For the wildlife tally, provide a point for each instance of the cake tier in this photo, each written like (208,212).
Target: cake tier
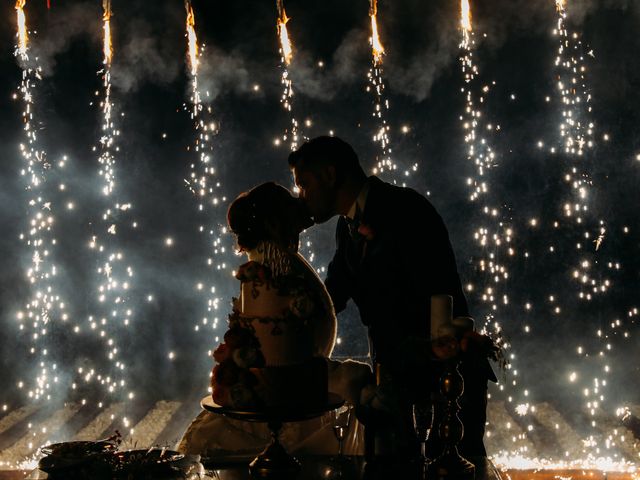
(302,385)
(261,299)
(283,341)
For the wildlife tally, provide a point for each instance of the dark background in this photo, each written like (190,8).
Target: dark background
(151,88)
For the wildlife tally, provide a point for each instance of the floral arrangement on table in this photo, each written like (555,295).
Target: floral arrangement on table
(470,344)
(417,354)
(471,349)
(102,460)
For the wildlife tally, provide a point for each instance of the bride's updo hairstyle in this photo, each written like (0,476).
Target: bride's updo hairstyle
(267,212)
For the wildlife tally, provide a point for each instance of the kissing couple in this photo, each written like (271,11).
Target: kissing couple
(392,253)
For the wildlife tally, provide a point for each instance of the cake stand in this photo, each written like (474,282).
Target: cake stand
(274,461)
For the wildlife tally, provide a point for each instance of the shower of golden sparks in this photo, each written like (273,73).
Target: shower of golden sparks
(192,38)
(107,47)
(588,271)
(285,43)
(465,20)
(22,28)
(376,46)
(494,234)
(193,61)
(202,181)
(384,162)
(44,308)
(113,312)
(287,94)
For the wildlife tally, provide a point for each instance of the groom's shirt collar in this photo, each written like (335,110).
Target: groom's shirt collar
(360,201)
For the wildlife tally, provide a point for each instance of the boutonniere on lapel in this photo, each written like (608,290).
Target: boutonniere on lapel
(366,231)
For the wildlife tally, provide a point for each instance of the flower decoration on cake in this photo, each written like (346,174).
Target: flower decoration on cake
(302,306)
(268,357)
(234,382)
(253,272)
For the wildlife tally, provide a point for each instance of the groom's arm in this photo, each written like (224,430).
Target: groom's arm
(442,262)
(338,278)
(435,267)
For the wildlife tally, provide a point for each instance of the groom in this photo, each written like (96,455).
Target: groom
(393,253)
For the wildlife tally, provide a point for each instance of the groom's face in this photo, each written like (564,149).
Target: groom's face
(317,191)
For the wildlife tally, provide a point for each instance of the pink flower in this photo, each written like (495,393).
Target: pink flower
(221,353)
(225,373)
(366,231)
(245,357)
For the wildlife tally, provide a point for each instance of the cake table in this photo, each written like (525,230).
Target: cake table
(274,461)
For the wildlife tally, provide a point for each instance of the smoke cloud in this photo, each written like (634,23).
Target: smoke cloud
(222,73)
(346,67)
(77,20)
(146,57)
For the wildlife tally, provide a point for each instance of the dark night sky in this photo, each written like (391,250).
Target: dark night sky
(151,85)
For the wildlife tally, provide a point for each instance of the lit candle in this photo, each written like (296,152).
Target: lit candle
(441,308)
(463,325)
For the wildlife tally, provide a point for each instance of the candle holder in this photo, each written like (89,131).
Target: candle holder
(450,464)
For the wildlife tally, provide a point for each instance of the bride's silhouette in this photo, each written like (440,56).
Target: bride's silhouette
(267,222)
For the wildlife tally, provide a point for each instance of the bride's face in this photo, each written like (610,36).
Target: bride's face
(297,216)
(285,224)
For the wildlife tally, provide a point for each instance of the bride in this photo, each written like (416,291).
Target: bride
(267,222)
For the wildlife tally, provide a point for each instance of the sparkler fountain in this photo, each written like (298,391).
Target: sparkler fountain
(500,238)
(384,166)
(576,239)
(292,134)
(44,314)
(202,180)
(45,309)
(114,311)
(494,237)
(590,271)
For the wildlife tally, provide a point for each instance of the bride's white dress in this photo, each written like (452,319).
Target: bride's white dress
(215,436)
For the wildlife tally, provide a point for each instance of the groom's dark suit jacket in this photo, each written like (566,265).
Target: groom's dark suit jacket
(391,278)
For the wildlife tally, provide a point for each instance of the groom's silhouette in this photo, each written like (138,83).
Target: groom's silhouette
(393,253)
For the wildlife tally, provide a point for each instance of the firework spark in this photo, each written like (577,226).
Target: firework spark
(107,47)
(192,45)
(465,21)
(286,53)
(45,308)
(384,166)
(586,233)
(202,178)
(113,311)
(376,45)
(494,233)
(283,34)
(23,37)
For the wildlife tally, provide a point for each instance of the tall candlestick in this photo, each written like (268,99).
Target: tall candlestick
(441,308)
